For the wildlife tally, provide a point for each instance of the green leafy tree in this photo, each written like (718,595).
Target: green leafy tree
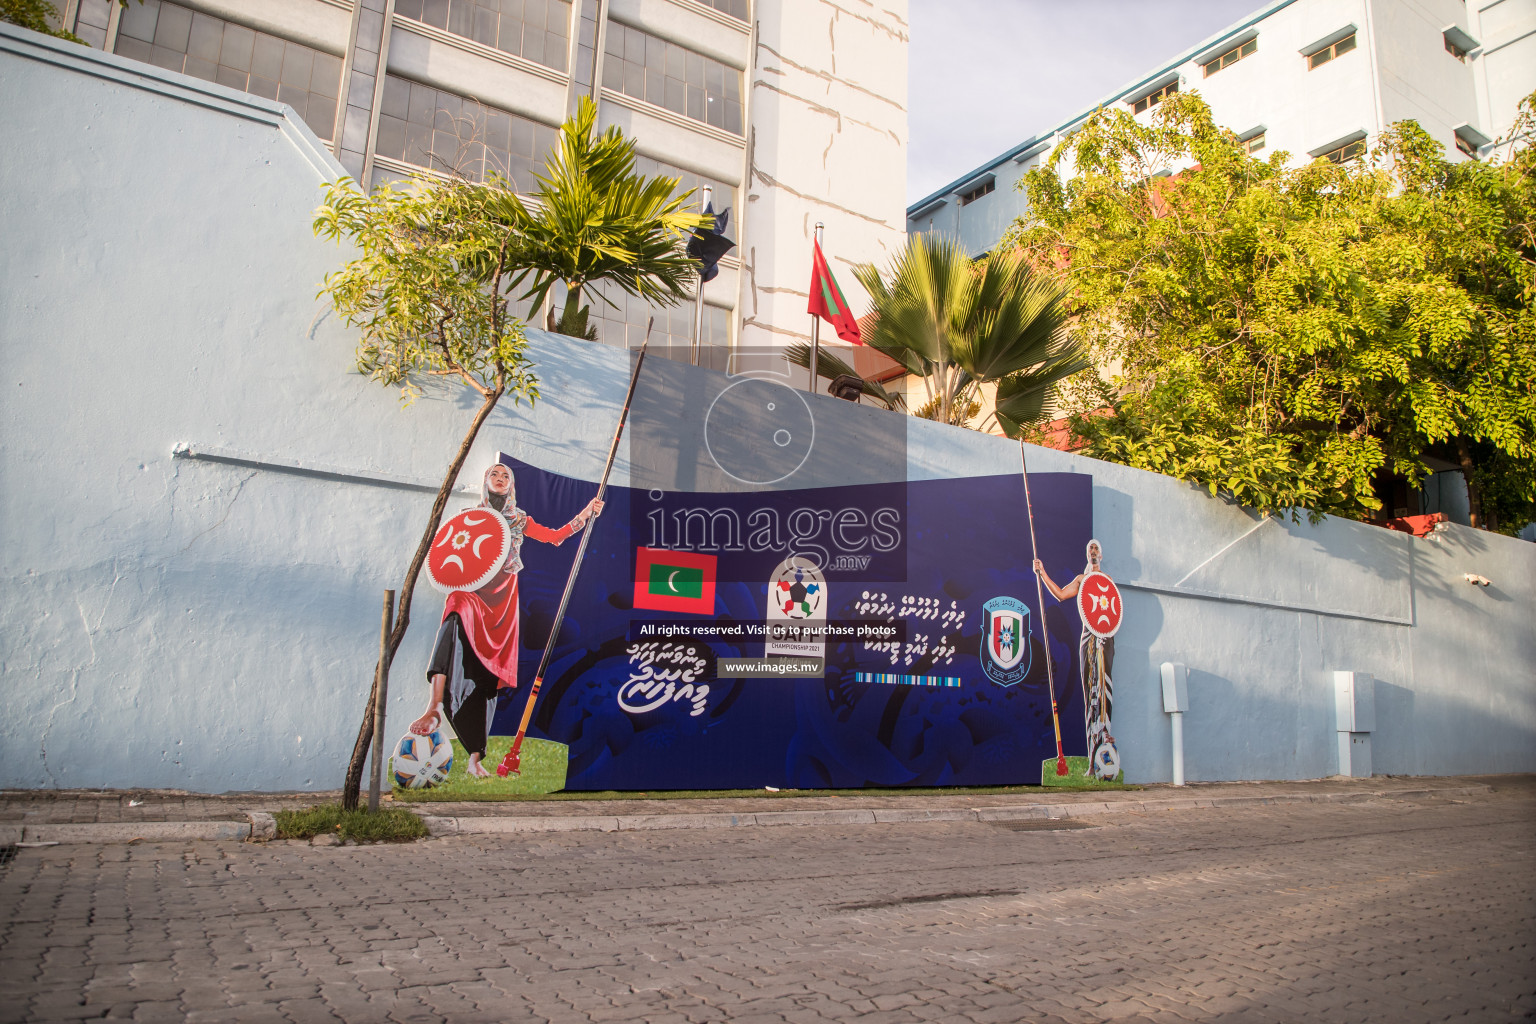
(1287,336)
(37,15)
(958,323)
(427,294)
(594,220)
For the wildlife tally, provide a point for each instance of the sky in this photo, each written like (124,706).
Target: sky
(984,75)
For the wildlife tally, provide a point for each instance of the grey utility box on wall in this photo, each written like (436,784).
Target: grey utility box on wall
(1355,710)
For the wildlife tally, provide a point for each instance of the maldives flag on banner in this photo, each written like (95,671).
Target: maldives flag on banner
(675,581)
(827,299)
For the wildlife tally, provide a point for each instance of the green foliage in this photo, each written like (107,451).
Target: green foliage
(427,290)
(1284,336)
(391,825)
(37,15)
(574,323)
(959,323)
(592,219)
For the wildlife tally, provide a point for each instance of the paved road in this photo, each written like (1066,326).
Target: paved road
(1396,910)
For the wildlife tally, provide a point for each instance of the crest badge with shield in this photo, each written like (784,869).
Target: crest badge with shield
(1005,655)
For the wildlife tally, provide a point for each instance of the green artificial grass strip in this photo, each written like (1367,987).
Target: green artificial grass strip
(543,772)
(391,825)
(1077,776)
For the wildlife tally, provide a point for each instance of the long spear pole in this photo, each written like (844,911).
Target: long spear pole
(1050,671)
(510,765)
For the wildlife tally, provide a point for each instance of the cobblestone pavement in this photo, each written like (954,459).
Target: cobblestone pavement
(1399,910)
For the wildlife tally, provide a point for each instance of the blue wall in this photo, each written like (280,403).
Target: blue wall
(209,622)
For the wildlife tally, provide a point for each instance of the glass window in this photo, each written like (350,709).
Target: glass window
(735,8)
(1154,98)
(966,199)
(1231,57)
(443,131)
(621,320)
(1348,151)
(1327,53)
(724,197)
(91,20)
(215,50)
(537,30)
(649,68)
(1253,143)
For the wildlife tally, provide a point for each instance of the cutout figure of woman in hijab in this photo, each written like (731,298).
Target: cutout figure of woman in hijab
(476,650)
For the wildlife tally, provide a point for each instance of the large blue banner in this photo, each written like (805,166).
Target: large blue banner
(867,635)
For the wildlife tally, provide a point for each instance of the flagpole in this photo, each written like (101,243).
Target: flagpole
(698,300)
(1050,672)
(815,327)
(511,764)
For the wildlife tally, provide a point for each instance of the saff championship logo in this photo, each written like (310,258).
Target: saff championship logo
(1005,656)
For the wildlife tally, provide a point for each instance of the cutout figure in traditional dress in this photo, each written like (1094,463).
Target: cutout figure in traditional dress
(476,650)
(1096,659)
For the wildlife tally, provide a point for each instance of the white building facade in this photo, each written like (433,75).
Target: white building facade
(792,111)
(1315,78)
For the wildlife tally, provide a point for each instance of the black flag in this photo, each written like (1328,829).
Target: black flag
(709,244)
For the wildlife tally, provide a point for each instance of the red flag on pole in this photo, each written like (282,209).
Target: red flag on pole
(827,299)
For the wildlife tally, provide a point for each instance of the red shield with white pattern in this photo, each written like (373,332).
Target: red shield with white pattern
(468,550)
(1098,602)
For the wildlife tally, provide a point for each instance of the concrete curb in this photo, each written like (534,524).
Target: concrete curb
(443,826)
(127,832)
(262,826)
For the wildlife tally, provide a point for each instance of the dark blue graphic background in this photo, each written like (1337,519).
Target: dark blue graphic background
(966,540)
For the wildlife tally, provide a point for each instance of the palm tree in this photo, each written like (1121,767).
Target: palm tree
(594,220)
(959,323)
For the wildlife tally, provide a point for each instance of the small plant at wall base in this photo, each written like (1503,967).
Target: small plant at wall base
(1286,337)
(593,220)
(391,825)
(428,295)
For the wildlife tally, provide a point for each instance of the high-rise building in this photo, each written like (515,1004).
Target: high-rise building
(1316,78)
(793,112)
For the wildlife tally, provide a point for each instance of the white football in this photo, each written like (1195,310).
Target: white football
(421,762)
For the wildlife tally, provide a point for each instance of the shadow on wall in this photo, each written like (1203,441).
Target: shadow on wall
(1383,553)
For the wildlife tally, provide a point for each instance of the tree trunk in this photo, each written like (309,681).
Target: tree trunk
(353,787)
(1474,498)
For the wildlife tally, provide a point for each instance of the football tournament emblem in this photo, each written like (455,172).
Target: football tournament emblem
(798,590)
(797,607)
(1005,656)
